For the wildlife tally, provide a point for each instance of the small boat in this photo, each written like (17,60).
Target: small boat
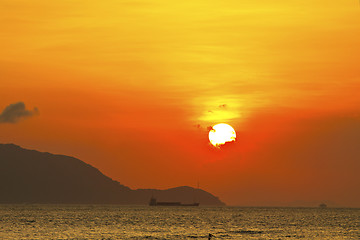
(323,205)
(154,202)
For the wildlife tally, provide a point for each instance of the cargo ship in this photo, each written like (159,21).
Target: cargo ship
(154,202)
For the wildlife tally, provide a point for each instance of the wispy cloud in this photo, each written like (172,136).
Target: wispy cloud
(15,112)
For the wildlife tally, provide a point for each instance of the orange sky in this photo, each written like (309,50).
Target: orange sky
(130,87)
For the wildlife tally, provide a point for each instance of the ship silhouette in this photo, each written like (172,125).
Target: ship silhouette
(154,202)
(322,205)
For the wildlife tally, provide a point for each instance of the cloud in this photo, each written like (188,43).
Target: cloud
(15,112)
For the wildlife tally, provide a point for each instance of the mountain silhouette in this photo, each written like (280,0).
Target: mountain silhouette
(29,176)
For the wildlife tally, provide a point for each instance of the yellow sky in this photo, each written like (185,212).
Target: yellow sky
(245,53)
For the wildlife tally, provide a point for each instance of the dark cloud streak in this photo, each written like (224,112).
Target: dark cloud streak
(15,112)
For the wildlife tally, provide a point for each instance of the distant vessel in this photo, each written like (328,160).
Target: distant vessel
(153,202)
(323,205)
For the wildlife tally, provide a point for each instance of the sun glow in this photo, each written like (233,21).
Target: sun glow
(221,133)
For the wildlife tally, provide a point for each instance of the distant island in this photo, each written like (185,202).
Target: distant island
(29,176)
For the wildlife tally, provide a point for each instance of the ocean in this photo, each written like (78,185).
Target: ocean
(145,222)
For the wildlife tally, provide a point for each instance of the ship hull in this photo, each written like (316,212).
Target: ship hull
(170,204)
(153,202)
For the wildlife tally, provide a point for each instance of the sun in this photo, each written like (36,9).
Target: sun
(221,133)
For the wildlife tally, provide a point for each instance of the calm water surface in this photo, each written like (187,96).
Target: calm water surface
(120,222)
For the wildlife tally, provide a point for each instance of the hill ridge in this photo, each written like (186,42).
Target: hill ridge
(31,176)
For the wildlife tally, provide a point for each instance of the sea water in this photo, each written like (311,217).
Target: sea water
(145,222)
